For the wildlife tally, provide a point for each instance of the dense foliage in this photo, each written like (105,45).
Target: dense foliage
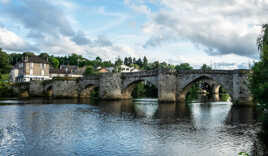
(259,78)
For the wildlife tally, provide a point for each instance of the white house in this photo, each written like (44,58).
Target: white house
(14,73)
(125,69)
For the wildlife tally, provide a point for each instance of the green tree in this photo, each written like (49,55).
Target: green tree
(44,55)
(145,62)
(118,62)
(183,66)
(89,70)
(28,54)
(4,62)
(259,76)
(205,67)
(259,79)
(98,61)
(54,62)
(15,58)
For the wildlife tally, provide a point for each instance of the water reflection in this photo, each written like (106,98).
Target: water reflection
(142,127)
(238,115)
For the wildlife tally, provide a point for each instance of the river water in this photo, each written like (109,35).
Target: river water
(119,128)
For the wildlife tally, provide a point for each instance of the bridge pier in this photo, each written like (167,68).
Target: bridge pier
(241,93)
(110,86)
(166,87)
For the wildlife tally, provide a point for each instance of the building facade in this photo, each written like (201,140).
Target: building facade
(67,71)
(32,68)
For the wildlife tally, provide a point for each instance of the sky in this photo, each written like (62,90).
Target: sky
(220,33)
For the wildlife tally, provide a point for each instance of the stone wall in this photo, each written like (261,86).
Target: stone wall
(68,88)
(36,89)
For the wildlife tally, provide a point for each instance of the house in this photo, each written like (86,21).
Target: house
(67,71)
(125,69)
(103,70)
(69,68)
(32,68)
(14,73)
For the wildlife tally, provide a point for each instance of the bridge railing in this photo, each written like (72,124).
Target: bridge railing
(141,73)
(199,71)
(91,77)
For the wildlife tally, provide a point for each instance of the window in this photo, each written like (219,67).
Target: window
(42,72)
(31,65)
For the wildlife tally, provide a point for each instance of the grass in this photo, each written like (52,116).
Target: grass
(4,77)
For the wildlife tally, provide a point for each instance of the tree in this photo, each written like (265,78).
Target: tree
(183,66)
(44,55)
(206,67)
(259,79)
(259,76)
(28,54)
(98,59)
(89,70)
(54,62)
(145,62)
(15,58)
(4,62)
(118,62)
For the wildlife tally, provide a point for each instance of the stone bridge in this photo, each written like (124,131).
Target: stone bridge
(172,85)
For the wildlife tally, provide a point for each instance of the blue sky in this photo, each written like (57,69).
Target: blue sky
(219,33)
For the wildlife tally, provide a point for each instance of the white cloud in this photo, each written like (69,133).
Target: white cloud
(221,27)
(10,41)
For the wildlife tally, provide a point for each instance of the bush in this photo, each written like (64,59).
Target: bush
(6,90)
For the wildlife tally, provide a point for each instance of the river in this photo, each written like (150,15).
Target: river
(64,127)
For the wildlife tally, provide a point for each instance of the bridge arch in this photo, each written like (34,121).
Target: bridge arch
(130,85)
(48,89)
(219,81)
(86,90)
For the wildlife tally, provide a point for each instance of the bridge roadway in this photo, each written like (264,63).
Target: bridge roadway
(172,85)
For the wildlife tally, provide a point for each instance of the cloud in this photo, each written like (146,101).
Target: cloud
(10,41)
(40,17)
(81,39)
(102,41)
(219,27)
(138,7)
(51,29)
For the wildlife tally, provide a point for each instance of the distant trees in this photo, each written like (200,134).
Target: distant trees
(183,66)
(206,67)
(9,60)
(4,62)
(89,70)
